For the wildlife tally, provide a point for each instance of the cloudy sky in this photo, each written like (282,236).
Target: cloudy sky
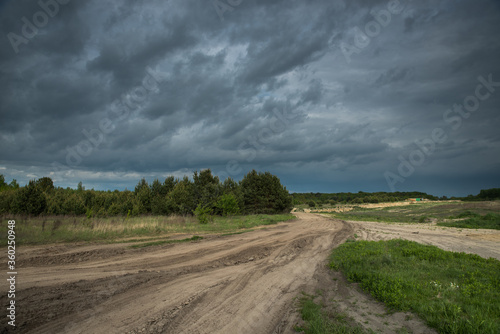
(328,95)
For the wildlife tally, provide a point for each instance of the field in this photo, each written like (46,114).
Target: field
(451,214)
(57,229)
(227,276)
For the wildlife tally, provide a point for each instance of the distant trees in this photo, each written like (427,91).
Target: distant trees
(485,195)
(489,194)
(318,199)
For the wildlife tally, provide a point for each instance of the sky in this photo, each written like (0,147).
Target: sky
(330,96)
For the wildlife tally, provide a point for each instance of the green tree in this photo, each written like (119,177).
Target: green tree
(264,193)
(30,200)
(143,193)
(206,188)
(169,184)
(14,184)
(181,199)
(3,185)
(45,184)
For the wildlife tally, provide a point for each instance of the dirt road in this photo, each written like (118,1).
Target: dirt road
(243,283)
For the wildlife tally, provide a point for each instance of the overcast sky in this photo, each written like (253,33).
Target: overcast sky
(328,95)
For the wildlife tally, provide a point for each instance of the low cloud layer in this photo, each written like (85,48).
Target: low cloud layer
(328,95)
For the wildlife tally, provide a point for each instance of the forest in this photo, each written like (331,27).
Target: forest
(204,194)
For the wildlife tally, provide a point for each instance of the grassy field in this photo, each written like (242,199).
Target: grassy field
(458,214)
(44,230)
(452,292)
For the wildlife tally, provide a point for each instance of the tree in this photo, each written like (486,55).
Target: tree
(14,184)
(30,199)
(169,184)
(143,193)
(263,193)
(206,188)
(45,184)
(181,199)
(3,185)
(80,188)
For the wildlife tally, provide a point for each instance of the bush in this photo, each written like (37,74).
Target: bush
(203,214)
(228,205)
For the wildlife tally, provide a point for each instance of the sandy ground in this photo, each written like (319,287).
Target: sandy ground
(244,283)
(483,242)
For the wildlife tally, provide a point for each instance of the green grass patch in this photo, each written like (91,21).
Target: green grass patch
(452,292)
(474,220)
(60,229)
(319,321)
(164,242)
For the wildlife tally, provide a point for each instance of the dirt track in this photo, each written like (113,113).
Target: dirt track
(244,283)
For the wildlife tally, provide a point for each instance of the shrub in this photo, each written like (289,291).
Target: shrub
(228,205)
(203,214)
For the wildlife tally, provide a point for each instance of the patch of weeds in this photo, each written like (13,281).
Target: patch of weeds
(318,321)
(423,219)
(475,221)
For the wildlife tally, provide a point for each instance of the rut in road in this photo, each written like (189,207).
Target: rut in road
(242,283)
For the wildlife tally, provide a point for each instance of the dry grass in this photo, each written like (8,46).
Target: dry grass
(52,229)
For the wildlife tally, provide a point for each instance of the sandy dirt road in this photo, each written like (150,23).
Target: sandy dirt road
(243,283)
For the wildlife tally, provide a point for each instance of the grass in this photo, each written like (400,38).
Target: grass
(458,214)
(318,321)
(474,220)
(452,292)
(57,229)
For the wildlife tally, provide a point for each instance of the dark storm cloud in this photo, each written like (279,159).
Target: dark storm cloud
(264,85)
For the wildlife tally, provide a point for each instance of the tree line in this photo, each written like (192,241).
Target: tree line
(202,195)
(319,199)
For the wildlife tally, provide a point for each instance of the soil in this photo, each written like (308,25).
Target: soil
(242,283)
